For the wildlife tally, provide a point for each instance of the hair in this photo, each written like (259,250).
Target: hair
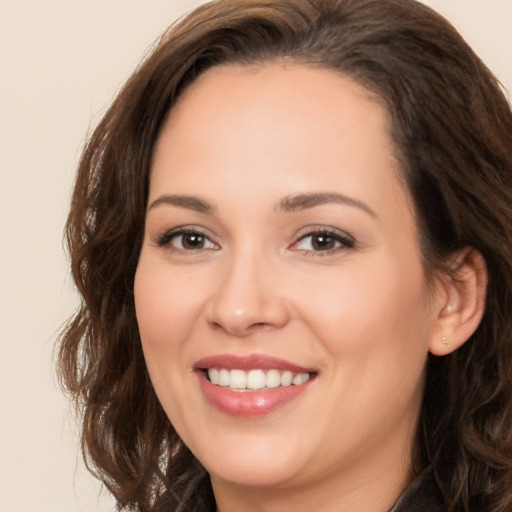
(451,126)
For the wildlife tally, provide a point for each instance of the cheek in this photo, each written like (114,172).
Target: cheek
(166,305)
(374,330)
(164,316)
(379,318)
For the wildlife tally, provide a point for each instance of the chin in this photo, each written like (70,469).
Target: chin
(252,474)
(256,464)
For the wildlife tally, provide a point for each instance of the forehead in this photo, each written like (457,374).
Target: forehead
(286,89)
(300,127)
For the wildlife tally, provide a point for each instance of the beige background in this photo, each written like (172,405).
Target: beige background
(61,61)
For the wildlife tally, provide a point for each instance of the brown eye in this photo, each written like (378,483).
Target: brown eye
(192,241)
(323,241)
(186,241)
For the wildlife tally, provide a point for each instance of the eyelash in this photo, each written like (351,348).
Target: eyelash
(341,241)
(166,238)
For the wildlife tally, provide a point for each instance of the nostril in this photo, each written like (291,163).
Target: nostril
(239,330)
(257,325)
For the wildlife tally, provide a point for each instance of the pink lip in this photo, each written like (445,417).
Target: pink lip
(248,404)
(250,362)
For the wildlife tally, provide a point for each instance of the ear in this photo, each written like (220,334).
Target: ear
(460,301)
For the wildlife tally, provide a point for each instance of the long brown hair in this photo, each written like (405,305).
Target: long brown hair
(452,128)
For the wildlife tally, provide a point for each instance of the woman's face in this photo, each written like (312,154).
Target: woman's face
(280,245)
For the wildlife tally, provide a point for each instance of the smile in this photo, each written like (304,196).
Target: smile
(253,380)
(250,386)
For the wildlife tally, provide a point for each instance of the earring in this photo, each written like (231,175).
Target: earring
(445,341)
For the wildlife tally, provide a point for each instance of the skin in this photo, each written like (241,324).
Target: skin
(362,315)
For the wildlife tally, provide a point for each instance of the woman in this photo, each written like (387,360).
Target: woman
(292,235)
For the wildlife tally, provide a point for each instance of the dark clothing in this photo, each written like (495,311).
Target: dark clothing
(423,495)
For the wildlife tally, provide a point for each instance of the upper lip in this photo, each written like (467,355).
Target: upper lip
(249,362)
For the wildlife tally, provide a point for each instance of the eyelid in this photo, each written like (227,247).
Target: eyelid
(344,239)
(163,240)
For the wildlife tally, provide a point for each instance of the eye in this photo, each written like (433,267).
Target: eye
(186,240)
(325,241)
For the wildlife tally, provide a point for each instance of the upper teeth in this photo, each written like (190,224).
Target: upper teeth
(255,379)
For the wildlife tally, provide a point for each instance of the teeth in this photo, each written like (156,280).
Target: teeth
(273,379)
(286,379)
(213,374)
(256,379)
(224,377)
(239,380)
(297,379)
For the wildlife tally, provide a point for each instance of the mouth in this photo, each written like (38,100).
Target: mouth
(239,380)
(252,385)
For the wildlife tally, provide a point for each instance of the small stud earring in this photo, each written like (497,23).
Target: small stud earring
(445,341)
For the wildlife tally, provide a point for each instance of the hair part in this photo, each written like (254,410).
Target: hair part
(452,129)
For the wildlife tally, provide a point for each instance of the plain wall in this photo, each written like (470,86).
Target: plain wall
(61,62)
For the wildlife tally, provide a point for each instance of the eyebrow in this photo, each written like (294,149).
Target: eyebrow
(287,204)
(305,201)
(188,202)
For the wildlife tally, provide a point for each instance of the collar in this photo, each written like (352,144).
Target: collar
(423,495)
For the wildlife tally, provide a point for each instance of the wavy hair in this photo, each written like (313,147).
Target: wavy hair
(452,129)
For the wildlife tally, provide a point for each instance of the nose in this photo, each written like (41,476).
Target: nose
(247,298)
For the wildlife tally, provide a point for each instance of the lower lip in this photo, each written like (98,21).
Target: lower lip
(249,404)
